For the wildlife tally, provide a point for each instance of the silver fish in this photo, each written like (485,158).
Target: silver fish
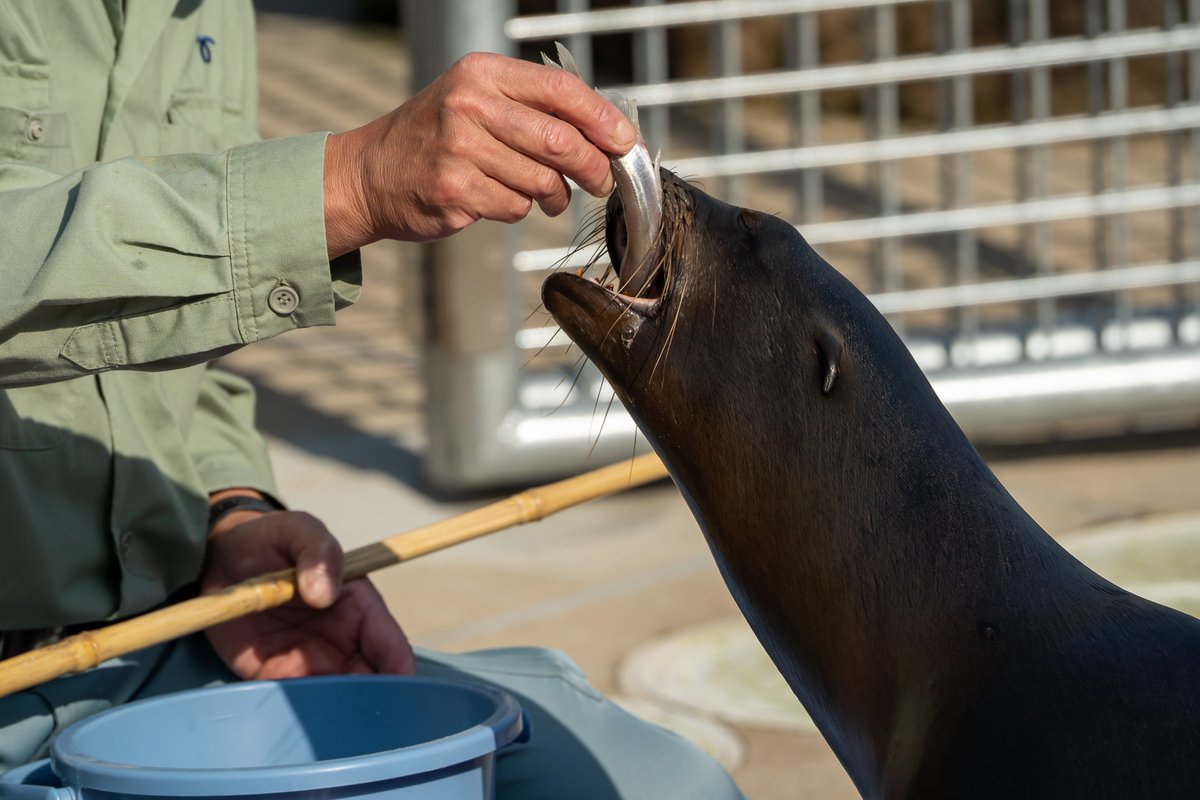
(638,187)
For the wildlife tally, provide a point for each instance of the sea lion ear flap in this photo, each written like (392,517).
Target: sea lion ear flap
(829,348)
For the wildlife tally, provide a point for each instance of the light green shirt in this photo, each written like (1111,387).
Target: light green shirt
(123,271)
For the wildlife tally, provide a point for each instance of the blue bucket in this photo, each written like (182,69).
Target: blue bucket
(375,736)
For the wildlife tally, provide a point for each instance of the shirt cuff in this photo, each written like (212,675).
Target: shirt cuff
(281,271)
(218,474)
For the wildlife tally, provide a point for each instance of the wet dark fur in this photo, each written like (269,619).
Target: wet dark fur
(944,644)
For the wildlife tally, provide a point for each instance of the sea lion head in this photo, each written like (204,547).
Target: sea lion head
(747,344)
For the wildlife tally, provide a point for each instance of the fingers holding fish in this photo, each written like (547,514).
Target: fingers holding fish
(557,92)
(552,143)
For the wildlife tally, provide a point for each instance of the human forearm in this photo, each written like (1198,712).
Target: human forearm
(161,262)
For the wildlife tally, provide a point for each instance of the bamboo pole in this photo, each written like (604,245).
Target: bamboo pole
(88,649)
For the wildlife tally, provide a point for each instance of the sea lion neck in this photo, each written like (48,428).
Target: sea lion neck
(856,585)
(859,531)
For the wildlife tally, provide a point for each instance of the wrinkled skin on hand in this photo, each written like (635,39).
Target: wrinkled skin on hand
(486,140)
(328,629)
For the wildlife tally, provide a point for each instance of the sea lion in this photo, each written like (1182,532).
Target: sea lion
(944,644)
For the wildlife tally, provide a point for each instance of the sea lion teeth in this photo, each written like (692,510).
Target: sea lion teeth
(942,642)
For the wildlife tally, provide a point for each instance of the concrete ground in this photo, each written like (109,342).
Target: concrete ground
(616,583)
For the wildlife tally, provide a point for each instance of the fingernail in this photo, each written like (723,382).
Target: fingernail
(607,187)
(624,136)
(317,589)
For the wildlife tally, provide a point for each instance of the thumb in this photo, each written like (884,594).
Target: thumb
(318,559)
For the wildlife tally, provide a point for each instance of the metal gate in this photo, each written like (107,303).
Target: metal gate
(1013,183)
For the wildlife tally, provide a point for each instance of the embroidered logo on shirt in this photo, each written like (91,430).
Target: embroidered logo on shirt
(206,43)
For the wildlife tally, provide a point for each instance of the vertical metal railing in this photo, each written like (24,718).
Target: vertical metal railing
(1039,308)
(881,118)
(802,50)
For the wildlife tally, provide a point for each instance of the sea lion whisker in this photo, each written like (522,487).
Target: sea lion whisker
(662,354)
(580,364)
(603,420)
(633,453)
(585,238)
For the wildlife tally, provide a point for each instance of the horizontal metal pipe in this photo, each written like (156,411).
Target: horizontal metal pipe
(1073,284)
(1046,209)
(1000,214)
(976,139)
(991,403)
(978,61)
(613,20)
(1022,289)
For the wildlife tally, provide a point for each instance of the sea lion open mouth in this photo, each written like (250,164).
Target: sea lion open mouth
(599,317)
(636,282)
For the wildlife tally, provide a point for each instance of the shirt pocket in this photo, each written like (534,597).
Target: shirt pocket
(38,417)
(199,122)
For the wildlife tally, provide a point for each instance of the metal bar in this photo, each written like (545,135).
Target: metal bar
(979,61)
(1118,100)
(650,64)
(729,133)
(988,137)
(1046,209)
(1193,58)
(470,368)
(581,47)
(1020,110)
(1002,214)
(1144,276)
(881,113)
(961,97)
(989,403)
(1175,140)
(1039,31)
(1075,284)
(616,20)
(802,51)
(1093,24)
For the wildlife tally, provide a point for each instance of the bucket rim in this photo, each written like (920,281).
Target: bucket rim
(501,727)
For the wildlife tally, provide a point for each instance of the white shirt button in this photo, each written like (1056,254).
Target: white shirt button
(35,130)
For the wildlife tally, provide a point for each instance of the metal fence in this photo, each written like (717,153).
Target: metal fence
(1013,183)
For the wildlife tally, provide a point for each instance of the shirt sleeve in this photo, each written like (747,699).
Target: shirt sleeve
(163,262)
(226,449)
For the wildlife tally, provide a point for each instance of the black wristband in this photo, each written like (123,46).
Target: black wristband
(239,502)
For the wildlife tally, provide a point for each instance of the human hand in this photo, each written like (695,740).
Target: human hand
(484,141)
(329,629)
